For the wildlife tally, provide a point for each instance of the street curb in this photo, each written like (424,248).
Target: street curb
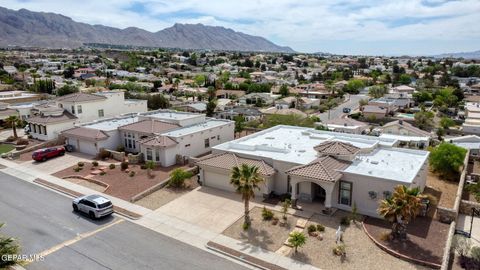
(242,257)
(118,210)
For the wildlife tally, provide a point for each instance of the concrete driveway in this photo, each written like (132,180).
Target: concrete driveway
(209,208)
(57,164)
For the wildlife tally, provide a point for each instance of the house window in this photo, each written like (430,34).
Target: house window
(149,154)
(207,143)
(187,145)
(34,128)
(100,113)
(126,143)
(73,109)
(345,193)
(218,137)
(45,130)
(134,146)
(79,108)
(157,155)
(129,143)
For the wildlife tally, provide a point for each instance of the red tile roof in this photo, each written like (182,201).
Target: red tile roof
(86,133)
(336,148)
(324,169)
(149,126)
(230,160)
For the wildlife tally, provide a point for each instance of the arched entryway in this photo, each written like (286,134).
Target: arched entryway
(312,195)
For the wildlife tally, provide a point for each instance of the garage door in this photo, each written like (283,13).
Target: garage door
(87,147)
(217,180)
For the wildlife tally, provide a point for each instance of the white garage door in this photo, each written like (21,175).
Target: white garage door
(220,181)
(86,147)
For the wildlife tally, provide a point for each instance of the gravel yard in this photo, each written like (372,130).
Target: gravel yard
(362,253)
(262,233)
(444,190)
(166,195)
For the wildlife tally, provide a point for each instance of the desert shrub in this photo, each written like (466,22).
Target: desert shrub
(112,166)
(245,226)
(120,148)
(103,154)
(143,166)
(131,174)
(95,163)
(102,173)
(267,214)
(80,164)
(178,177)
(10,139)
(124,165)
(30,136)
(339,250)
(475,253)
(320,228)
(385,236)
(275,220)
(77,169)
(22,141)
(345,221)
(312,228)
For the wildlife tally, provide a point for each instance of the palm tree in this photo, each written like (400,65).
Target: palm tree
(8,246)
(400,208)
(13,121)
(246,179)
(297,239)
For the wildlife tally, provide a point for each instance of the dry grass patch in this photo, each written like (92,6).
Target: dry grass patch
(262,233)
(444,190)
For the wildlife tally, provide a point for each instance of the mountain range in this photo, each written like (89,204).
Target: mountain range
(465,55)
(49,30)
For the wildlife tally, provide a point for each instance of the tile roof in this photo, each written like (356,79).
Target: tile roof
(49,119)
(162,141)
(87,133)
(149,126)
(323,169)
(336,148)
(407,126)
(230,160)
(80,97)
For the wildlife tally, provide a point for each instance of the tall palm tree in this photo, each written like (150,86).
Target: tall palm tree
(400,208)
(246,179)
(13,121)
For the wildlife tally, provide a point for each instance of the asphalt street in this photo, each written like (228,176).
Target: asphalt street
(337,112)
(43,222)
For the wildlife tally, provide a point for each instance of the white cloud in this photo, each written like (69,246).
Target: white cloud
(305,25)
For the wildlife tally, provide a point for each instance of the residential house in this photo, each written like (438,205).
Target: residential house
(49,122)
(293,102)
(472,118)
(374,111)
(346,125)
(406,133)
(248,113)
(287,111)
(255,98)
(336,170)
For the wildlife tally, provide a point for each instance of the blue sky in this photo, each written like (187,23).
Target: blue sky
(375,27)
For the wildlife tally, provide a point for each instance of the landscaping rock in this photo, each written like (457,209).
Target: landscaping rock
(301,223)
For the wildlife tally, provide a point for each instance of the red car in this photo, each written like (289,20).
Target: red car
(46,153)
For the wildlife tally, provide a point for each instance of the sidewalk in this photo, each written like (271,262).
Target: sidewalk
(162,223)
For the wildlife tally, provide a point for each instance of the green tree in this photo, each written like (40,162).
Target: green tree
(66,89)
(13,121)
(8,246)
(284,90)
(447,159)
(246,179)
(401,208)
(377,91)
(178,177)
(353,86)
(446,122)
(424,119)
(445,98)
(239,123)
(211,105)
(422,96)
(404,79)
(297,239)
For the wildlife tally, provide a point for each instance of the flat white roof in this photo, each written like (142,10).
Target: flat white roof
(171,115)
(112,123)
(405,137)
(210,123)
(295,144)
(389,163)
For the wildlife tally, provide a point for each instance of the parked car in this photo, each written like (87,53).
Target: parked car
(47,153)
(95,206)
(347,110)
